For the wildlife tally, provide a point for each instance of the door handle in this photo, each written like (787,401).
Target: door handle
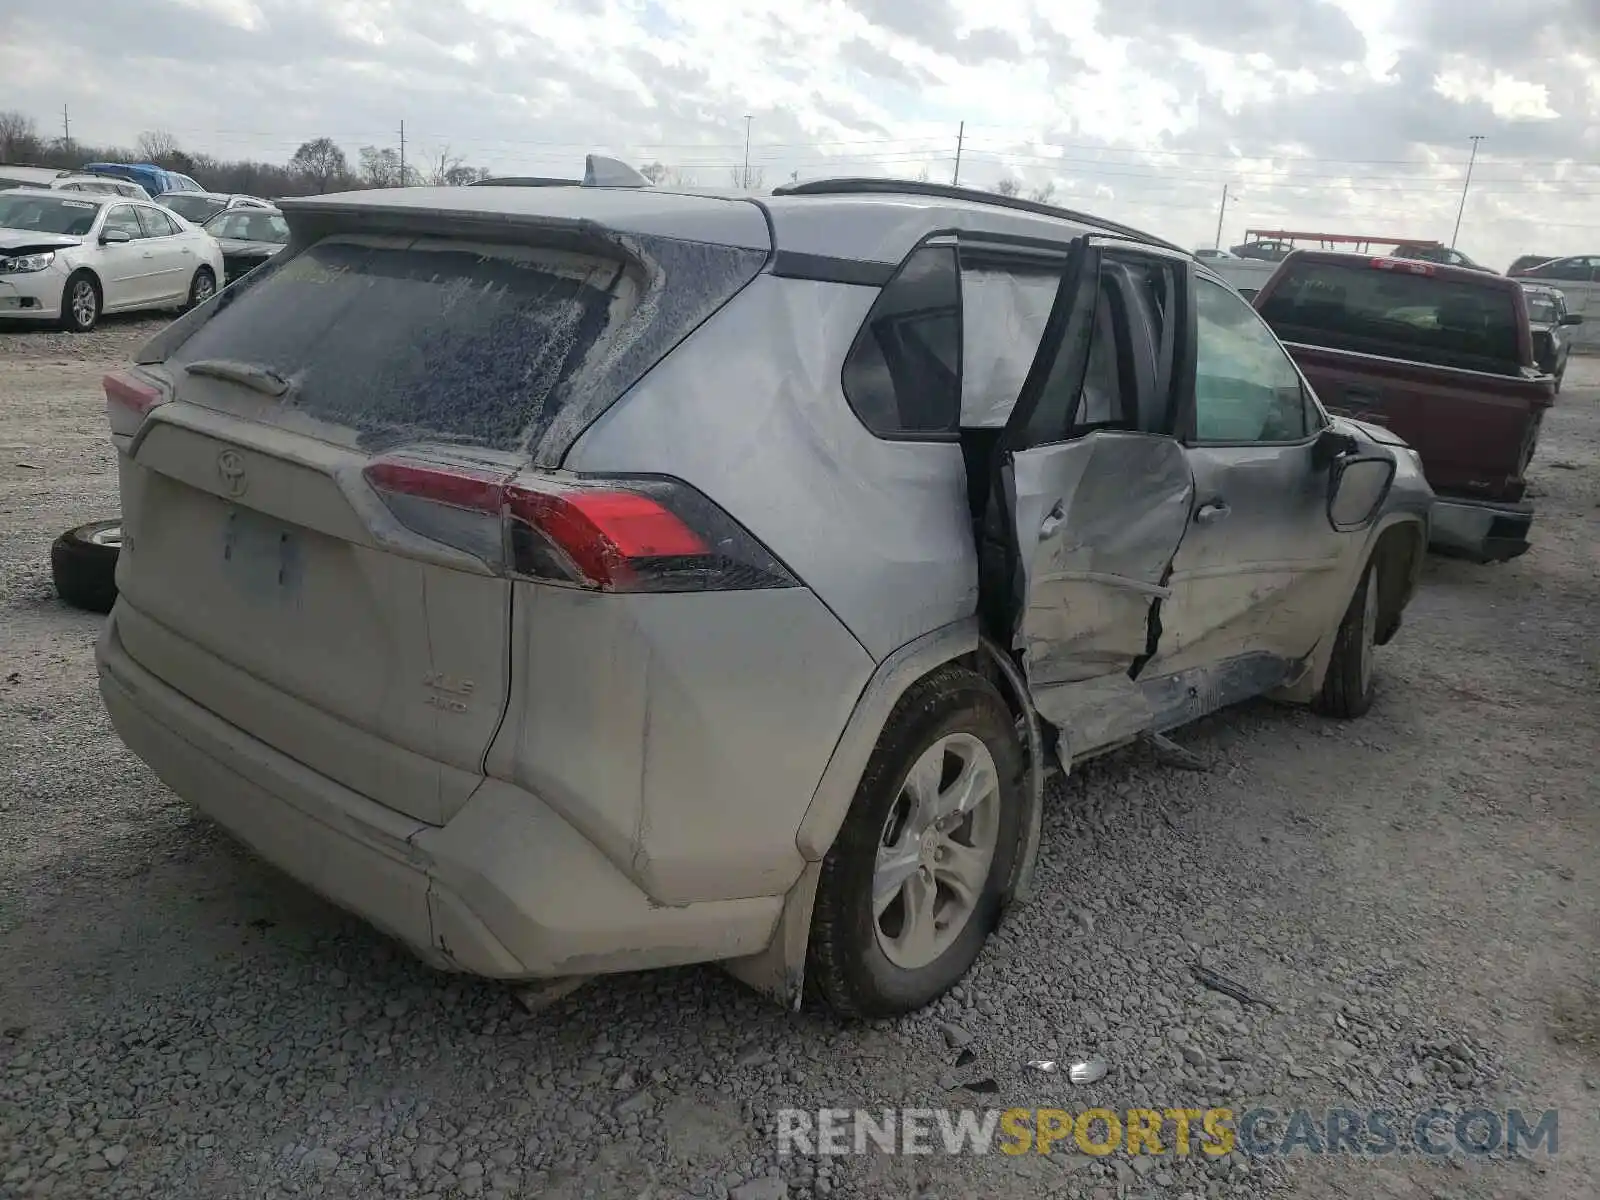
(149,254)
(1211,512)
(1052,520)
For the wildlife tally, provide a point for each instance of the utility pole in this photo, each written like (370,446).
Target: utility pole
(1221,210)
(747,152)
(1462,210)
(961,136)
(402,153)
(66,128)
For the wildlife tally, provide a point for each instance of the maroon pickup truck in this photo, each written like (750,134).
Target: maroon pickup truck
(1442,356)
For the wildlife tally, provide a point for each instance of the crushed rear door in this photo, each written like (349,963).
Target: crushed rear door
(1096,508)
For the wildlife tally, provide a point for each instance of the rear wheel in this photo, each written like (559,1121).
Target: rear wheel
(83,563)
(1348,688)
(80,303)
(913,884)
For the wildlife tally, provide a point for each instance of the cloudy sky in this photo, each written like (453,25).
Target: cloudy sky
(1345,115)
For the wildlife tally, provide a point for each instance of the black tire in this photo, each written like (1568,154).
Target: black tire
(847,969)
(1349,686)
(201,288)
(83,562)
(80,317)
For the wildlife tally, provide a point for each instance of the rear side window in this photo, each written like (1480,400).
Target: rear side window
(903,373)
(1361,307)
(485,344)
(156,224)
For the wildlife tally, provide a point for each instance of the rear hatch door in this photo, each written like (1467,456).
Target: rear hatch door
(265,578)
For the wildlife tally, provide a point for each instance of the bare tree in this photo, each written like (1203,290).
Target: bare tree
(19,137)
(380,167)
(923,176)
(755,181)
(1008,187)
(1044,194)
(158,146)
(451,171)
(655,172)
(321,163)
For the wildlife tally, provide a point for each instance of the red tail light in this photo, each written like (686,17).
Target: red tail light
(618,535)
(1405,266)
(129,400)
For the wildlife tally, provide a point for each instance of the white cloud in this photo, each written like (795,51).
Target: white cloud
(1340,114)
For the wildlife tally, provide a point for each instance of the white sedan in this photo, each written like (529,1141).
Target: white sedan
(68,257)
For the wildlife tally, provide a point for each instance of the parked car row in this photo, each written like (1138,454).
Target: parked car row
(1577,268)
(70,181)
(1276,250)
(68,257)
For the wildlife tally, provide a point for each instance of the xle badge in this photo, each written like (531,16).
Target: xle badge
(446,692)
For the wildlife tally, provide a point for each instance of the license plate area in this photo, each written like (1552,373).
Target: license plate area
(263,559)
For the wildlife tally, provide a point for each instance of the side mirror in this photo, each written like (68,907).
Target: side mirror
(113,236)
(1330,446)
(1357,488)
(1572,319)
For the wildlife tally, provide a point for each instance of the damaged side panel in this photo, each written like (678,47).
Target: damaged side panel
(1098,522)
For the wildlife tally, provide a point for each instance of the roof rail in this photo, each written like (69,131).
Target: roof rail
(946,191)
(525,181)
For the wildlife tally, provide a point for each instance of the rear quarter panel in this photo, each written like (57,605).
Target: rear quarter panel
(751,411)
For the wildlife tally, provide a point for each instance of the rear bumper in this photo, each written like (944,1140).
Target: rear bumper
(1479,529)
(507,889)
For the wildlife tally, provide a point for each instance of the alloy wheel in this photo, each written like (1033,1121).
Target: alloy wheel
(936,850)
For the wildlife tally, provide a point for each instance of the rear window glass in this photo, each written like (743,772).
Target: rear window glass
(198,209)
(1542,310)
(477,343)
(1360,307)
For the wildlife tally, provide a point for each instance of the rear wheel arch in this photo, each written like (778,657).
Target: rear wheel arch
(779,970)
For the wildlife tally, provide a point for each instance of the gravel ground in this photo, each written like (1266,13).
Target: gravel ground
(1416,894)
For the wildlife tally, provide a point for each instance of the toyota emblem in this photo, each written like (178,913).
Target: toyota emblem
(230,466)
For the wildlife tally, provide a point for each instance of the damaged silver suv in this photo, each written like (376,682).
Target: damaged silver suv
(579,579)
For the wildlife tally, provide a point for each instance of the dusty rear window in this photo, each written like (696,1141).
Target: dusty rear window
(469,342)
(1360,307)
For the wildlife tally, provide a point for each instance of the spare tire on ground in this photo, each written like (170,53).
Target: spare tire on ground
(84,564)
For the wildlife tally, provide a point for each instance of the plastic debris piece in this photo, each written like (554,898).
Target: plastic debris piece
(1221,983)
(1169,754)
(1042,1064)
(1091,1071)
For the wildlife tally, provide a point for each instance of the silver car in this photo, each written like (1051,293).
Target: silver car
(583,579)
